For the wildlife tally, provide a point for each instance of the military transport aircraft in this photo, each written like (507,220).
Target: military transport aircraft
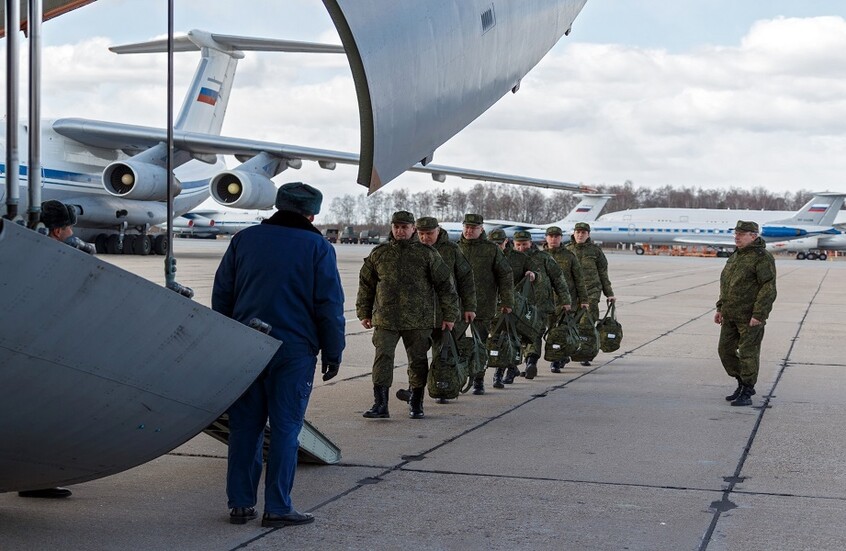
(115,174)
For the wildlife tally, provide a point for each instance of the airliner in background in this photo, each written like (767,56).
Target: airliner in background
(587,210)
(715,227)
(115,174)
(209,223)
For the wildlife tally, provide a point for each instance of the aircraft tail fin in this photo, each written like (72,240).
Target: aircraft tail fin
(587,210)
(821,210)
(208,94)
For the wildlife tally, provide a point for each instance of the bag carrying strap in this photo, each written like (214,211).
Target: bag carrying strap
(611,312)
(448,347)
(526,289)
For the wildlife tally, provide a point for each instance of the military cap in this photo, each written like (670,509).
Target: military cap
(402,217)
(497,236)
(300,198)
(582,226)
(55,214)
(522,235)
(473,220)
(427,223)
(554,230)
(744,225)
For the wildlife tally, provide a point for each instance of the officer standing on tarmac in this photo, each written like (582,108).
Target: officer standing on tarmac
(430,233)
(492,274)
(520,267)
(550,278)
(747,293)
(594,268)
(572,271)
(405,291)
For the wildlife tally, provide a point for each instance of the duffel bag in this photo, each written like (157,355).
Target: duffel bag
(529,318)
(504,343)
(610,330)
(473,354)
(588,337)
(562,339)
(448,370)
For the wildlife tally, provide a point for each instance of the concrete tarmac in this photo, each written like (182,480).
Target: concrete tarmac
(639,451)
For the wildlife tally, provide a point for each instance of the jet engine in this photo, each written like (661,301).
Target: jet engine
(138,180)
(243,190)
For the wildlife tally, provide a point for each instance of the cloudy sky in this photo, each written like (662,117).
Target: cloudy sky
(710,93)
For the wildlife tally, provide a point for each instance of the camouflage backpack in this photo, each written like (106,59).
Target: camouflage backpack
(610,330)
(530,320)
(448,371)
(588,337)
(562,339)
(504,343)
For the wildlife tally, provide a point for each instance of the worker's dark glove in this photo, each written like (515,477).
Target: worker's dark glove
(330,370)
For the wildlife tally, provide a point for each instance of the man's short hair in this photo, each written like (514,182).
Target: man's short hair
(473,219)
(745,225)
(582,226)
(427,223)
(497,236)
(402,217)
(55,214)
(300,198)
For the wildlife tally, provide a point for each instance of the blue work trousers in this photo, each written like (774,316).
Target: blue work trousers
(280,393)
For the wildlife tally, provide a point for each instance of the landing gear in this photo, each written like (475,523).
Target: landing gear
(160,245)
(638,250)
(143,245)
(137,244)
(822,256)
(811,256)
(113,244)
(800,256)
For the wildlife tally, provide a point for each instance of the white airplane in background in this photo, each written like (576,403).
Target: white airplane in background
(115,174)
(213,222)
(715,227)
(586,210)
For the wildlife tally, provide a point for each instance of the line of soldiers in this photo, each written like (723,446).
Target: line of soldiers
(420,283)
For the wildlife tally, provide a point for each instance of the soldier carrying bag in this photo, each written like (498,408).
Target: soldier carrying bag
(448,371)
(472,351)
(562,339)
(504,343)
(530,319)
(610,330)
(588,337)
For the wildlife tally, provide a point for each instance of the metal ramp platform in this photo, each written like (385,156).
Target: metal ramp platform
(103,370)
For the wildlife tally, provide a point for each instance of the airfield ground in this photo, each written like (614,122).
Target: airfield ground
(638,451)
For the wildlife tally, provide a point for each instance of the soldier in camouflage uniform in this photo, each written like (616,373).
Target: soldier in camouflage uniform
(405,291)
(594,268)
(520,267)
(747,293)
(572,271)
(492,275)
(550,279)
(430,233)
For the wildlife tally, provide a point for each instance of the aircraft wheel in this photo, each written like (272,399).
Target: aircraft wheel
(142,245)
(128,243)
(800,256)
(112,244)
(822,256)
(100,243)
(160,245)
(811,256)
(638,251)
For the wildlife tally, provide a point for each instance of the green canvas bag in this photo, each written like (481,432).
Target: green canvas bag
(610,330)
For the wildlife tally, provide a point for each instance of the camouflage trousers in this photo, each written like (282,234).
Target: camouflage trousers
(416,343)
(740,350)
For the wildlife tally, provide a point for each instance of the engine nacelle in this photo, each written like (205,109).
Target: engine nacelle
(138,180)
(243,190)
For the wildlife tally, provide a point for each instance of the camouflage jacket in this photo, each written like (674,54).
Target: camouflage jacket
(550,279)
(594,268)
(405,285)
(748,284)
(491,273)
(519,262)
(572,271)
(461,271)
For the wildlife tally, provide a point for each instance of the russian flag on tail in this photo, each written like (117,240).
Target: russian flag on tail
(207,95)
(818,208)
(583,209)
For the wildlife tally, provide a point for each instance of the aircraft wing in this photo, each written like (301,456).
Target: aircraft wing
(133,139)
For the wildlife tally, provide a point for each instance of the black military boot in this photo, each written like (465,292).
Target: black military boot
(415,405)
(555,367)
(404,395)
(510,374)
(380,404)
(479,384)
(745,398)
(733,396)
(531,366)
(497,382)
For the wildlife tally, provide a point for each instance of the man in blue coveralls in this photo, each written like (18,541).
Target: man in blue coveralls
(284,272)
